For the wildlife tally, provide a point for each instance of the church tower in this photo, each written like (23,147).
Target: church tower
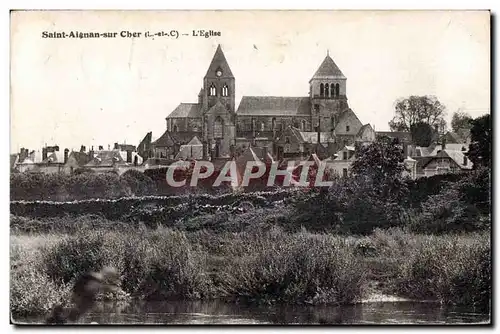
(218,100)
(327,91)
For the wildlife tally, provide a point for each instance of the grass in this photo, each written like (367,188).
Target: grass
(260,263)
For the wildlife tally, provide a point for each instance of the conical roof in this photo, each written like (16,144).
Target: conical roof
(219,62)
(328,69)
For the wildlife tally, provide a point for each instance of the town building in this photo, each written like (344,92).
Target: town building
(320,122)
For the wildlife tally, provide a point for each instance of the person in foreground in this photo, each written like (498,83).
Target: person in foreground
(83,296)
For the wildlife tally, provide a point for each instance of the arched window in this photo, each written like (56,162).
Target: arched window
(327,90)
(218,127)
(303,125)
(262,126)
(253,126)
(321,90)
(273,124)
(337,90)
(225,90)
(175,128)
(213,90)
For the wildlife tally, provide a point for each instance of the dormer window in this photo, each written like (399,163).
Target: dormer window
(213,90)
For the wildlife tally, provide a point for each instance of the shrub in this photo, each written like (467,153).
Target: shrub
(32,291)
(138,182)
(75,256)
(163,266)
(295,269)
(452,270)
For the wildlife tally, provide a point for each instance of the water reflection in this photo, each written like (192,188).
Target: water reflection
(215,312)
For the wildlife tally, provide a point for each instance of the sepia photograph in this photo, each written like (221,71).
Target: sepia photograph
(251,167)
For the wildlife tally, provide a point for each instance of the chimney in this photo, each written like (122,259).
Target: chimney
(44,153)
(83,148)
(116,146)
(443,143)
(100,148)
(66,152)
(56,148)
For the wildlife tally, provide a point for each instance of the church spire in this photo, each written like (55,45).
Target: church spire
(328,69)
(219,66)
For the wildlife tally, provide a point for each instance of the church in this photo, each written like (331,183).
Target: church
(282,126)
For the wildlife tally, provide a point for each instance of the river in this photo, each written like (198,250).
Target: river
(214,312)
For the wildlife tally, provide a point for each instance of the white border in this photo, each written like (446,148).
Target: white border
(184,4)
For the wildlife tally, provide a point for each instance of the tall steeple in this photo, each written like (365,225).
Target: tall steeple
(219,105)
(219,62)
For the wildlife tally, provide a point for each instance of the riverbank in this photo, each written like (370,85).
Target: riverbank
(260,265)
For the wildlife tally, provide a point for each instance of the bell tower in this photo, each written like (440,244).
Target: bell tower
(219,114)
(219,83)
(327,91)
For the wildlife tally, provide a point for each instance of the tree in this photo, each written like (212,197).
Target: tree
(480,147)
(421,134)
(381,164)
(377,188)
(461,124)
(418,109)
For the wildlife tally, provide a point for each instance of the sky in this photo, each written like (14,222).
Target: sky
(73,92)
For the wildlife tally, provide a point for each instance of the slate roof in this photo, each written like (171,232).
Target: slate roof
(192,150)
(219,61)
(183,110)
(456,156)
(105,158)
(363,128)
(328,69)
(434,149)
(169,138)
(403,136)
(274,105)
(166,140)
(81,158)
(54,157)
(311,137)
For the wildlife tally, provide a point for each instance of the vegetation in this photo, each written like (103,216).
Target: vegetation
(461,124)
(413,110)
(480,146)
(258,264)
(421,239)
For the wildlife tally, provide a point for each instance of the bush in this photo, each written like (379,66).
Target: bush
(299,269)
(139,183)
(452,270)
(32,291)
(163,266)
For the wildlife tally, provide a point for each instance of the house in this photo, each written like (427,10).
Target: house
(76,160)
(145,148)
(425,155)
(340,164)
(192,150)
(445,161)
